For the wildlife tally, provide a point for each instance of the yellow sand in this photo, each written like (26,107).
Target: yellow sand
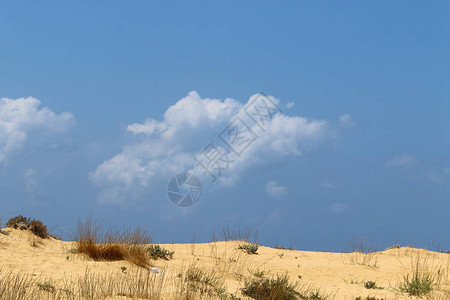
(339,274)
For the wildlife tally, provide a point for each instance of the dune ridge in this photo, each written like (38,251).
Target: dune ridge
(55,271)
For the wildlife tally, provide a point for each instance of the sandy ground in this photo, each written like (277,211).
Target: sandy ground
(341,275)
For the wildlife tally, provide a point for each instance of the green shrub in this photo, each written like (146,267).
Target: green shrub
(372,285)
(417,285)
(420,281)
(47,286)
(249,248)
(271,288)
(157,251)
(261,288)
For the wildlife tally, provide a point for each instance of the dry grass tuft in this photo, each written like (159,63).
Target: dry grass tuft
(361,252)
(112,245)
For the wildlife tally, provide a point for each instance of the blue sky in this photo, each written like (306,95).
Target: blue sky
(361,149)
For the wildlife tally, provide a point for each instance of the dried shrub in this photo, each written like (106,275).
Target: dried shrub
(39,229)
(18,222)
(112,245)
(35,226)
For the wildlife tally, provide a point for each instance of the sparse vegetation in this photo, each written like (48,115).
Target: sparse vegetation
(372,285)
(396,246)
(278,288)
(205,282)
(47,287)
(361,252)
(39,229)
(245,235)
(249,276)
(112,245)
(35,226)
(262,288)
(259,274)
(138,285)
(420,282)
(416,286)
(35,241)
(249,248)
(18,222)
(157,251)
(284,248)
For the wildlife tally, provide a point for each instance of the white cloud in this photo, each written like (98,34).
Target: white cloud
(275,191)
(290,104)
(326,184)
(403,160)
(163,148)
(346,121)
(21,118)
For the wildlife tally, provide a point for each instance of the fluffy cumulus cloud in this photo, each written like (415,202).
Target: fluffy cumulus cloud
(22,118)
(194,129)
(275,190)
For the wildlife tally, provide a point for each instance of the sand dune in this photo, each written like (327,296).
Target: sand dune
(340,275)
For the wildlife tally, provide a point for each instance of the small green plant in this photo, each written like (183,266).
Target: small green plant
(259,274)
(123,268)
(417,284)
(47,286)
(281,255)
(315,295)
(279,288)
(67,257)
(223,295)
(157,251)
(206,282)
(372,285)
(420,281)
(249,248)
(271,288)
